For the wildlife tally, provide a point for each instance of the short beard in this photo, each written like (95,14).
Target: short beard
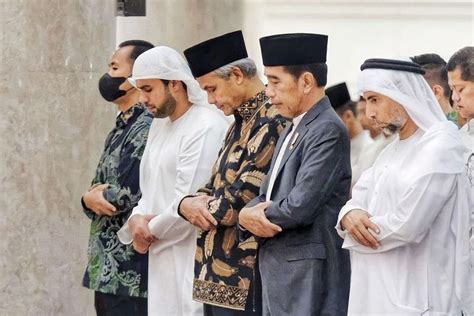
(391,129)
(395,126)
(167,108)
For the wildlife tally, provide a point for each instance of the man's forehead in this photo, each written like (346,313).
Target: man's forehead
(454,76)
(121,54)
(208,79)
(141,83)
(274,71)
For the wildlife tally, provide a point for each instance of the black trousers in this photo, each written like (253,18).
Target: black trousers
(211,310)
(118,305)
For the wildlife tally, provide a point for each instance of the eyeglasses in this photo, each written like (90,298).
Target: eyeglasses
(470,169)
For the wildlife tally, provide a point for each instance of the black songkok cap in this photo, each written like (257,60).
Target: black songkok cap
(215,53)
(392,64)
(294,49)
(338,95)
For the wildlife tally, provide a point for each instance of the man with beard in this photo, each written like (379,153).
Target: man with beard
(182,144)
(407,224)
(226,276)
(116,273)
(381,140)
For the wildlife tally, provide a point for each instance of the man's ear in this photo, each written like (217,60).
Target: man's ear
(347,116)
(438,91)
(174,85)
(238,75)
(308,82)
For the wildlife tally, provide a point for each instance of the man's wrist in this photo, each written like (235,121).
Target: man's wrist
(83,203)
(179,205)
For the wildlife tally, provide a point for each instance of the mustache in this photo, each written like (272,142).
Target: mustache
(388,128)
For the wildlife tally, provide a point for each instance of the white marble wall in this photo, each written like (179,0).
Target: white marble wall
(363,29)
(53,123)
(357,29)
(182,23)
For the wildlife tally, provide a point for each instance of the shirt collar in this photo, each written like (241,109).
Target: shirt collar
(297,120)
(470,126)
(124,117)
(246,110)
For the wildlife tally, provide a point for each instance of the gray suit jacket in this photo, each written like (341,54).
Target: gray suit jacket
(304,270)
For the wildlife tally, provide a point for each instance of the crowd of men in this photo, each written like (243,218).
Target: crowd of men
(219,195)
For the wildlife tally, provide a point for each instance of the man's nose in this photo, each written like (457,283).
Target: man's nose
(269,92)
(370,111)
(455,96)
(211,99)
(143,98)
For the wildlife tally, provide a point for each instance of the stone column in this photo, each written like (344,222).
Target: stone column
(182,23)
(53,123)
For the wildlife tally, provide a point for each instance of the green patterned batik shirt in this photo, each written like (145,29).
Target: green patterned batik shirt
(115,268)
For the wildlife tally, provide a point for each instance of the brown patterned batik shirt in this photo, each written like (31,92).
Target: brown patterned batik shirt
(224,268)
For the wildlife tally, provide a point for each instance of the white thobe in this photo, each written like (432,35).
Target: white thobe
(422,264)
(359,145)
(467,136)
(367,157)
(177,161)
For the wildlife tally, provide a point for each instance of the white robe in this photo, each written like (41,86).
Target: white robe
(467,133)
(359,146)
(422,264)
(368,156)
(177,161)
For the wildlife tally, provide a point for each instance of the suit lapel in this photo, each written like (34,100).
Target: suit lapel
(280,142)
(293,144)
(301,130)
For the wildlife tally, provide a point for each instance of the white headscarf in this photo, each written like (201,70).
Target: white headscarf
(165,63)
(409,89)
(413,92)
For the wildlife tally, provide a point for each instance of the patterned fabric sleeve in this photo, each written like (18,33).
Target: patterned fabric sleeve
(96,181)
(243,184)
(209,187)
(124,191)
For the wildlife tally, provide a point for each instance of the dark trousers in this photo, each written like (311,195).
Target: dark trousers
(211,310)
(118,305)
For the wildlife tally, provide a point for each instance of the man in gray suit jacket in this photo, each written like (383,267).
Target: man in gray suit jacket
(304,270)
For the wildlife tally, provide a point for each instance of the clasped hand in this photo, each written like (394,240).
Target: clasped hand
(141,235)
(254,220)
(194,209)
(358,224)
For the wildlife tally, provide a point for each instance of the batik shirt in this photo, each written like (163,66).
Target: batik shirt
(113,267)
(224,268)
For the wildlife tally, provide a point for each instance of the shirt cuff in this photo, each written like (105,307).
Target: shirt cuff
(124,234)
(179,205)
(84,205)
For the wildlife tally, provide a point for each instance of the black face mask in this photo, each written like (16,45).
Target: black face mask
(109,87)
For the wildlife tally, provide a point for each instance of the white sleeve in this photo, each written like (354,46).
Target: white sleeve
(197,155)
(124,234)
(412,218)
(359,200)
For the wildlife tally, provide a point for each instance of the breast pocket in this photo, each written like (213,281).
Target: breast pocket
(310,250)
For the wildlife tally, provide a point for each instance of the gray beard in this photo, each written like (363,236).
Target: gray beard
(391,129)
